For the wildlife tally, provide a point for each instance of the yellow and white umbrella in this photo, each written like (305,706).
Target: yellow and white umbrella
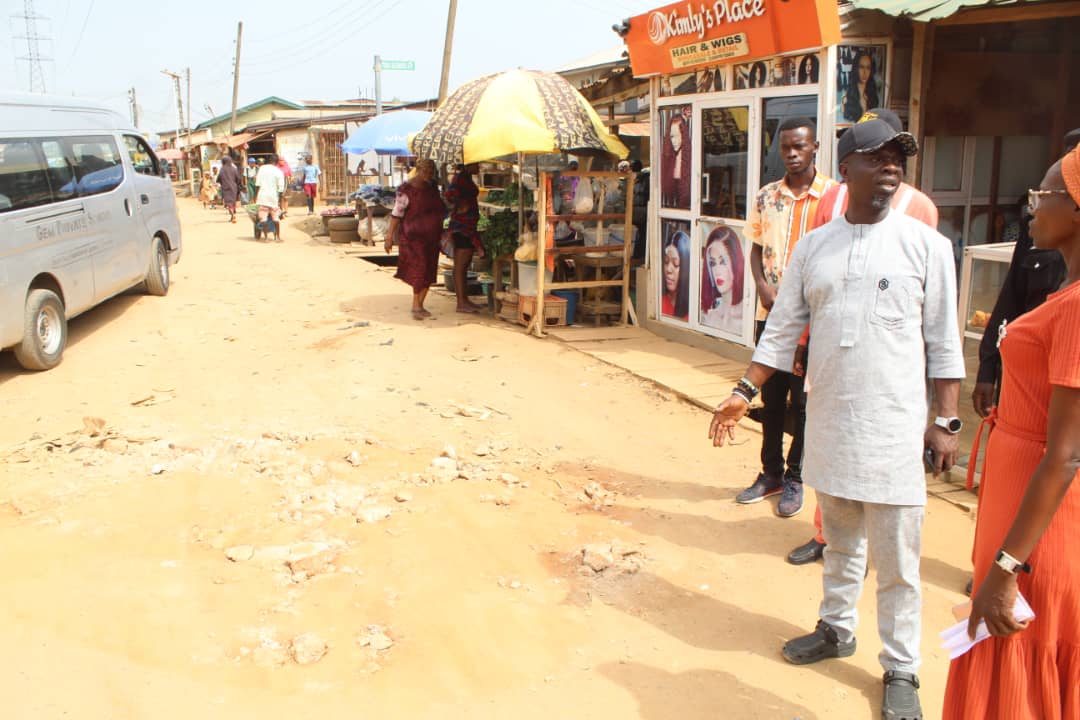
(514,112)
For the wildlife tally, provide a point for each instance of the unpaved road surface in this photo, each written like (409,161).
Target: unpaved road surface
(235,502)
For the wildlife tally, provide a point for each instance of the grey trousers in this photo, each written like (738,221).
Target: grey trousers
(894,535)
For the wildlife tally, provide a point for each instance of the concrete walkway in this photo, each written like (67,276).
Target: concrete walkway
(702,378)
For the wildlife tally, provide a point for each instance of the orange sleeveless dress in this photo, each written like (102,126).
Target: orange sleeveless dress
(1035,673)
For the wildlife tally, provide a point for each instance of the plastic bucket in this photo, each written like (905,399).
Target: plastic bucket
(527,278)
(571,298)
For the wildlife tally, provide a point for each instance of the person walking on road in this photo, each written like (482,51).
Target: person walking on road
(311,183)
(230,182)
(416,225)
(879,290)
(286,173)
(269,184)
(1028,524)
(779,216)
(250,172)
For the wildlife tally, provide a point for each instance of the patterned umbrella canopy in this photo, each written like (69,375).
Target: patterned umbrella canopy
(519,111)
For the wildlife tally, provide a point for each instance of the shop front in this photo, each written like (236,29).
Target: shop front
(723,79)
(987,90)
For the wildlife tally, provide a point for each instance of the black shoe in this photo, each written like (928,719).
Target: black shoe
(901,700)
(821,644)
(808,553)
(791,498)
(763,487)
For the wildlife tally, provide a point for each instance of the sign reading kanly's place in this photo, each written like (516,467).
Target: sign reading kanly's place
(686,35)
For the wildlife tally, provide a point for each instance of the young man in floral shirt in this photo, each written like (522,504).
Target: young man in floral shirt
(780,214)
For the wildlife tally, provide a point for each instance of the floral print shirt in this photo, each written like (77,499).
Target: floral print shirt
(777,220)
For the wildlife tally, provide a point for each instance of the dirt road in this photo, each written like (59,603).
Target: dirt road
(252,414)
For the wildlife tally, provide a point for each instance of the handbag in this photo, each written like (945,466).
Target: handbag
(446,243)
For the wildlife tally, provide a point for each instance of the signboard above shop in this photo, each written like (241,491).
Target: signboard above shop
(687,35)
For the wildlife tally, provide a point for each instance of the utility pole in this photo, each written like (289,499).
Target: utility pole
(179,116)
(447,46)
(236,78)
(179,102)
(378,85)
(134,108)
(33,40)
(187,118)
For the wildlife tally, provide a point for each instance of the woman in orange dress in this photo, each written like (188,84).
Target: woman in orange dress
(1028,531)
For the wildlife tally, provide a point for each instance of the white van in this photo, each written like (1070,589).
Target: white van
(85,213)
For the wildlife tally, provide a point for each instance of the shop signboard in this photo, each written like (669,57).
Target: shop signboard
(686,35)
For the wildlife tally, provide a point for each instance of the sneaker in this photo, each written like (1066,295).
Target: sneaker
(901,701)
(791,498)
(762,488)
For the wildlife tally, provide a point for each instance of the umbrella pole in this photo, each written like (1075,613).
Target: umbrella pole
(521,196)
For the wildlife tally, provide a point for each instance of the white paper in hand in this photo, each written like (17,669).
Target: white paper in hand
(955,639)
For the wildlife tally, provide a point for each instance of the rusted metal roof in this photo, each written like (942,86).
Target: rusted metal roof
(926,10)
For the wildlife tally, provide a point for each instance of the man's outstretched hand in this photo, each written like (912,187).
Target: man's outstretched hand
(725,419)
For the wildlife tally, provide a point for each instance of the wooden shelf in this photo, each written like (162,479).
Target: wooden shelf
(615,257)
(593,217)
(582,249)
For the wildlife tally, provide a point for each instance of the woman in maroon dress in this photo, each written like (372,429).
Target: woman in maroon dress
(416,223)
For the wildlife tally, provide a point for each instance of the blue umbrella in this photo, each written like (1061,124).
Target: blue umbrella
(387,134)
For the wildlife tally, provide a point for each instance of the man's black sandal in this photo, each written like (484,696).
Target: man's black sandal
(821,644)
(901,700)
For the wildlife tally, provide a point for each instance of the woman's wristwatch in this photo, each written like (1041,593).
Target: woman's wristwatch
(1009,564)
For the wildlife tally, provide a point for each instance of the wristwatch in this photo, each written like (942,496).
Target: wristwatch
(1009,564)
(951,424)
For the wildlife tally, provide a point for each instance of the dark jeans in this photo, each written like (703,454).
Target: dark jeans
(774,396)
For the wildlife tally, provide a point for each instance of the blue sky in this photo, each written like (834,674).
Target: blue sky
(318,50)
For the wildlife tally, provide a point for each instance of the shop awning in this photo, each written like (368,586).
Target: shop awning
(926,10)
(239,139)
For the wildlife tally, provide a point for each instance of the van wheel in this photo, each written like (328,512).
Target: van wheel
(44,331)
(157,275)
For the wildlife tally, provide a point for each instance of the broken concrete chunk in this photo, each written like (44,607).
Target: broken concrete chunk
(597,557)
(240,553)
(375,638)
(307,649)
(373,514)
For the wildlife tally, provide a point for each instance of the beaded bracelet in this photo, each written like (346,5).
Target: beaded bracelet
(751,389)
(742,394)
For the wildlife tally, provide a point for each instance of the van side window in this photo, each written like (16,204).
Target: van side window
(23,180)
(61,176)
(98,168)
(144,161)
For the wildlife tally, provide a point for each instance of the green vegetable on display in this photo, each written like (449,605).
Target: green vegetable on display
(499,233)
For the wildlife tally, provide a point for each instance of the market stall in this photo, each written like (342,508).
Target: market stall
(513,115)
(386,135)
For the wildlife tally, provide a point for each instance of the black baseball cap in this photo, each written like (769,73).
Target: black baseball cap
(878,114)
(883,114)
(868,136)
